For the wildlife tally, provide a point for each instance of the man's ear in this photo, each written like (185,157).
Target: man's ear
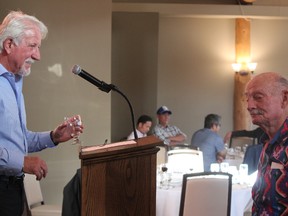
(213,128)
(284,98)
(7,45)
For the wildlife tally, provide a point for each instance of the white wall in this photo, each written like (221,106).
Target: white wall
(269,45)
(134,68)
(195,76)
(79,33)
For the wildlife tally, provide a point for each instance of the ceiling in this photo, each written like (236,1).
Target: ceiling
(216,2)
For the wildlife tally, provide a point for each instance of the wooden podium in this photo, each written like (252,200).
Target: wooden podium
(119,178)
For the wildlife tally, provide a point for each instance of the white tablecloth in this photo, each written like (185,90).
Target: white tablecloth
(241,200)
(234,160)
(168,201)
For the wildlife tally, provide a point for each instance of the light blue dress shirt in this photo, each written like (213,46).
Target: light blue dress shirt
(15,140)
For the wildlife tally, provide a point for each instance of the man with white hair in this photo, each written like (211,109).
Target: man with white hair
(20,41)
(267,103)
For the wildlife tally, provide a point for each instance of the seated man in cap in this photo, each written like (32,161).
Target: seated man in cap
(169,134)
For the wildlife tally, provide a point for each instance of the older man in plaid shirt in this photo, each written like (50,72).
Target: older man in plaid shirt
(169,134)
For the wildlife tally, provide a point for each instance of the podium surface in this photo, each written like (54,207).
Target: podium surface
(119,178)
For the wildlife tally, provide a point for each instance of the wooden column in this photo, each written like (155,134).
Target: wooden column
(242,48)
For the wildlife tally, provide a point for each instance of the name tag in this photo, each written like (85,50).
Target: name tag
(276,166)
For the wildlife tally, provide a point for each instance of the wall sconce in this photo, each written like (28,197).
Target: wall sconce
(244,68)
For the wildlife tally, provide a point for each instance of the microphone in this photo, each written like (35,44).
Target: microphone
(85,75)
(104,87)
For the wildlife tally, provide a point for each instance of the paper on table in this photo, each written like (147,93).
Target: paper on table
(93,148)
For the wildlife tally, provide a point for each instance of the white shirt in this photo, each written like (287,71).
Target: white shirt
(139,134)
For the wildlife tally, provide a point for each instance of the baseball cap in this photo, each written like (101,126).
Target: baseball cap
(163,109)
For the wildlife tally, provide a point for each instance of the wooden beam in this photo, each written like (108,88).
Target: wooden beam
(242,48)
(242,40)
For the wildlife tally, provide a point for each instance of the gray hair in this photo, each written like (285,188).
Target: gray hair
(16,25)
(212,119)
(282,81)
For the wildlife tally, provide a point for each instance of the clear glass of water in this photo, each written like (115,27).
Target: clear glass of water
(224,167)
(214,167)
(73,123)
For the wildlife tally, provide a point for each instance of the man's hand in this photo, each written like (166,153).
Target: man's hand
(178,139)
(35,165)
(65,132)
(220,159)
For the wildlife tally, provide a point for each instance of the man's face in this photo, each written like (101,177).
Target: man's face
(22,56)
(144,127)
(264,103)
(164,119)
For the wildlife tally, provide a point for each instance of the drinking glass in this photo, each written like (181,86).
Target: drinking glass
(165,177)
(243,169)
(245,148)
(238,150)
(214,167)
(224,167)
(73,123)
(243,173)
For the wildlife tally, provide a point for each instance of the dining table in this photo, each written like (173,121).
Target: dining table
(168,200)
(234,158)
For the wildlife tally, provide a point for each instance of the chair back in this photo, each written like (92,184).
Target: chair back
(186,160)
(33,190)
(252,156)
(206,194)
(162,154)
(246,137)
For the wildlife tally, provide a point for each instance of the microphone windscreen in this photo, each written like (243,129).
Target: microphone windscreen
(76,69)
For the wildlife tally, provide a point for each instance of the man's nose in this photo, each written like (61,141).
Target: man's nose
(36,54)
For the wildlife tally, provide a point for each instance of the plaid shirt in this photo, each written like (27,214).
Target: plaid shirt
(270,192)
(164,133)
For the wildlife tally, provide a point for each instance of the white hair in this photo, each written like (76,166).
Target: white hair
(16,25)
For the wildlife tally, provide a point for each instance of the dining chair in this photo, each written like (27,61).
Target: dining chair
(186,159)
(34,198)
(162,154)
(252,156)
(252,137)
(206,194)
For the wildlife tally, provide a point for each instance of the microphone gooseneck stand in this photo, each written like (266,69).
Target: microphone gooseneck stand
(114,88)
(107,88)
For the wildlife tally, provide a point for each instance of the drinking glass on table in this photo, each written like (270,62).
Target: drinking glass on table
(243,169)
(224,166)
(214,167)
(245,148)
(238,150)
(165,177)
(243,173)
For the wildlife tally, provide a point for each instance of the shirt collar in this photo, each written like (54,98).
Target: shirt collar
(161,126)
(280,135)
(3,70)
